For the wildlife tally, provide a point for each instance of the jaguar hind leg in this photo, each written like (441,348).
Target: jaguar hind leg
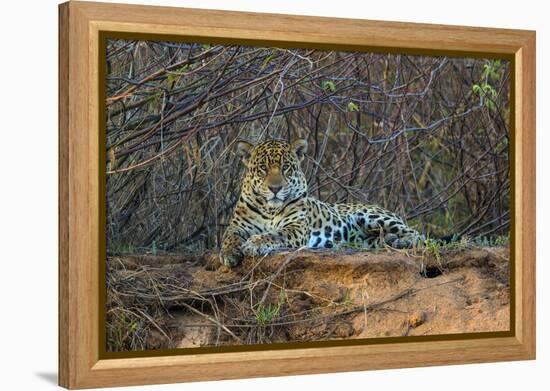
(381,227)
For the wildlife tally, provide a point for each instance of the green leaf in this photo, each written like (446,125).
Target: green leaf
(170,79)
(267,60)
(352,107)
(328,84)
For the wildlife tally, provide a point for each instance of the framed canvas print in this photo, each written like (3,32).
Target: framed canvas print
(248,195)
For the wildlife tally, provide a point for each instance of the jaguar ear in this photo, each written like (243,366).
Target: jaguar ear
(300,147)
(244,148)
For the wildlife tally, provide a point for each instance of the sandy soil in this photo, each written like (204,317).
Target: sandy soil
(312,296)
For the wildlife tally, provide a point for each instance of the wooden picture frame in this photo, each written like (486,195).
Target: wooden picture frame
(81,25)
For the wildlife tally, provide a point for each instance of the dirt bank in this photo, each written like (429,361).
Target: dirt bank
(185,301)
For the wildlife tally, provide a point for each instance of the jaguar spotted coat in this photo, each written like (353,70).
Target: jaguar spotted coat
(275,212)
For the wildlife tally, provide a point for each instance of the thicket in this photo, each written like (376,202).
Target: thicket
(426,137)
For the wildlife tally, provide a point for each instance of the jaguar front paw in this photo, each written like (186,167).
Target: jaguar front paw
(231,257)
(257,245)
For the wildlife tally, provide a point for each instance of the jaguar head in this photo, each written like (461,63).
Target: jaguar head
(274,176)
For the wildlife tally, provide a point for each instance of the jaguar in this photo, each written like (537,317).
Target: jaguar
(275,212)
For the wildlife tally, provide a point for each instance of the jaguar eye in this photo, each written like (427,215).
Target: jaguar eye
(262,168)
(286,167)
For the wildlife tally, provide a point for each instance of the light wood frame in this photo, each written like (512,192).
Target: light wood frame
(80,24)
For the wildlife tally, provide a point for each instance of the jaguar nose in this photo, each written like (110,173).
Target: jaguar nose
(275,189)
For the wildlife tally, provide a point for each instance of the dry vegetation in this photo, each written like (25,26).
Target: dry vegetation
(426,137)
